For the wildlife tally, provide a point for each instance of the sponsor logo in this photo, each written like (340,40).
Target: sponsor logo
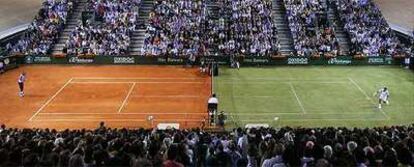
(42,59)
(6,61)
(218,60)
(376,60)
(388,60)
(79,60)
(175,60)
(256,60)
(339,61)
(124,60)
(162,60)
(407,60)
(29,59)
(297,60)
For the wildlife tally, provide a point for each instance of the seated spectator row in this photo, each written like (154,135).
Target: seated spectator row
(267,147)
(309,25)
(44,29)
(175,28)
(108,33)
(247,29)
(244,27)
(367,28)
(186,27)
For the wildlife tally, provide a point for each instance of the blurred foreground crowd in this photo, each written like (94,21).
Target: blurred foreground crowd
(267,147)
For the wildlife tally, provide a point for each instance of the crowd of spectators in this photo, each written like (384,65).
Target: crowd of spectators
(175,28)
(109,32)
(308,22)
(244,28)
(368,30)
(267,147)
(44,29)
(186,28)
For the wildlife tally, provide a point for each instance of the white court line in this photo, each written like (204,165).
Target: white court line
(136,78)
(336,119)
(310,119)
(144,82)
(98,82)
(259,114)
(247,96)
(276,81)
(286,79)
(178,82)
(360,89)
(169,96)
(366,95)
(50,99)
(126,98)
(123,113)
(169,113)
(91,120)
(118,120)
(295,113)
(297,98)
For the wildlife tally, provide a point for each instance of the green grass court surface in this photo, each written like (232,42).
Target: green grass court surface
(315,96)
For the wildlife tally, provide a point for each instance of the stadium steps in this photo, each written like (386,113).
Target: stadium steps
(283,32)
(214,14)
(72,21)
(340,33)
(138,36)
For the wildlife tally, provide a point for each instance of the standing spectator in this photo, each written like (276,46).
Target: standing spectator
(172,157)
(2,66)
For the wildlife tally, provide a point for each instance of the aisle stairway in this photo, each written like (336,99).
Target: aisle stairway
(72,21)
(138,36)
(282,26)
(214,8)
(341,35)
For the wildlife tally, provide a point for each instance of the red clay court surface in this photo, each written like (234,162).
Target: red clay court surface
(122,96)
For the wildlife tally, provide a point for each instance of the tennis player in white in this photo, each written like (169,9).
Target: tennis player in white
(20,82)
(383,95)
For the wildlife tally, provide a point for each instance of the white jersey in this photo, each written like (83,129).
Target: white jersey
(21,79)
(213,100)
(383,94)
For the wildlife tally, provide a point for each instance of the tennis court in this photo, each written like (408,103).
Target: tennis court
(314,96)
(126,96)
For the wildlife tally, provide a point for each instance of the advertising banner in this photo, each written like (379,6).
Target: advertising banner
(340,60)
(38,59)
(297,60)
(77,60)
(124,60)
(222,60)
(256,60)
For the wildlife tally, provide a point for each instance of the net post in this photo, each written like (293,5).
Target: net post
(212,84)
